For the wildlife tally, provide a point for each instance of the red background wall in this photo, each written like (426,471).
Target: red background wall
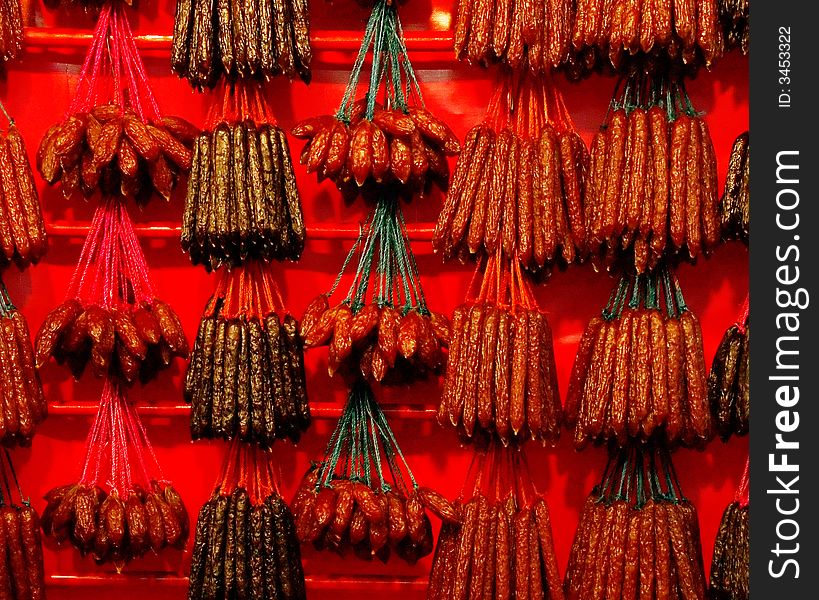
(37,91)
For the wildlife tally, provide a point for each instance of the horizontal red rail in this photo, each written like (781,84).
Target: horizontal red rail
(183,410)
(53,38)
(421,232)
(149,580)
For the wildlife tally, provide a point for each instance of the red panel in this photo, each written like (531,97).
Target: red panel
(37,91)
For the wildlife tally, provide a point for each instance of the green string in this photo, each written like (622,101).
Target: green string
(356,245)
(641,491)
(386,432)
(6,305)
(634,301)
(416,276)
(678,295)
(614,308)
(376,70)
(669,294)
(652,299)
(384,37)
(366,443)
(334,450)
(344,111)
(385,262)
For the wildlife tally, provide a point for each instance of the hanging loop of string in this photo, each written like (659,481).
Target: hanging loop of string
(526,104)
(113,69)
(249,467)
(112,269)
(116,444)
(384,41)
(386,264)
(502,284)
(248,290)
(239,100)
(362,445)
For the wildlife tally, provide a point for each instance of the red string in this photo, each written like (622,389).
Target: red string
(249,290)
(112,269)
(117,439)
(93,443)
(239,101)
(248,467)
(743,315)
(743,491)
(113,69)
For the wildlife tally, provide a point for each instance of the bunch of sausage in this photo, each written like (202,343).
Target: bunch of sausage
(502,549)
(129,341)
(636,536)
(501,377)
(652,188)
(518,32)
(242,201)
(262,38)
(114,528)
(374,523)
(377,342)
(640,373)
(683,31)
(11,29)
(246,378)
(117,153)
(519,194)
(22,233)
(407,149)
(245,547)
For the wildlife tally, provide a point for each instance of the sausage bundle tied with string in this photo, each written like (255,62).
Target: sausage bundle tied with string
(122,505)
(22,232)
(736,23)
(519,183)
(652,188)
(113,139)
(242,201)
(502,545)
(111,317)
(214,41)
(362,495)
(246,377)
(730,565)
(501,379)
(639,373)
(382,329)
(638,535)
(386,139)
(729,383)
(593,35)
(245,544)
